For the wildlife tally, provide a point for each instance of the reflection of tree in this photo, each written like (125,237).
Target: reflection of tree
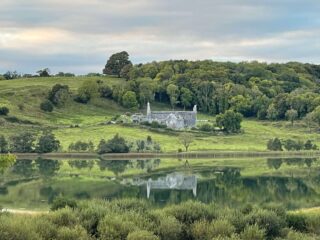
(115,166)
(49,193)
(80,164)
(294,161)
(47,167)
(274,163)
(229,176)
(23,168)
(148,164)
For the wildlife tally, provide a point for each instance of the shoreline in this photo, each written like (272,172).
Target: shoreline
(188,155)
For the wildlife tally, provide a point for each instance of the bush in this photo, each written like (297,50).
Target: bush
(274,145)
(115,227)
(65,217)
(206,127)
(115,145)
(167,227)
(201,230)
(46,106)
(142,235)
(252,232)
(4,111)
(297,222)
(62,202)
(267,220)
(222,228)
(75,233)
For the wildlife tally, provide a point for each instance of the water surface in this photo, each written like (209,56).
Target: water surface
(289,182)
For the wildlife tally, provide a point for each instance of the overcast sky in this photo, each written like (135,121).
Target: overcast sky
(79,35)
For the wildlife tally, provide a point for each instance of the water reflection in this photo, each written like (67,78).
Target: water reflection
(293,182)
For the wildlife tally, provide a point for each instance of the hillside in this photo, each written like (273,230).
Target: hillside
(23,97)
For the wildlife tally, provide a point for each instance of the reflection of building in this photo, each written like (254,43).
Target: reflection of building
(172,119)
(173,181)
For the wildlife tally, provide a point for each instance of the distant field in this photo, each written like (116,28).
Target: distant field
(31,92)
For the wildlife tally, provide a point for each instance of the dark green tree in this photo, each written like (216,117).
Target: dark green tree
(116,144)
(229,121)
(116,63)
(274,145)
(23,142)
(47,143)
(186,97)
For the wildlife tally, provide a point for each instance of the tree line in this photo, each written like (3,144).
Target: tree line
(266,91)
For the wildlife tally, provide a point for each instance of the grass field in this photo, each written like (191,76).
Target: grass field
(29,93)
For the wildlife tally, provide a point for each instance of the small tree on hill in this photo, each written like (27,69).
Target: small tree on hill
(44,72)
(116,144)
(116,63)
(23,143)
(4,111)
(291,115)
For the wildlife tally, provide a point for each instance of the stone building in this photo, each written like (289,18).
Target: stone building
(172,119)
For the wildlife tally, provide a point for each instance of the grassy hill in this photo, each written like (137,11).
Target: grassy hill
(23,97)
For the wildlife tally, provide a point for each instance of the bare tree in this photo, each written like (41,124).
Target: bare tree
(186,139)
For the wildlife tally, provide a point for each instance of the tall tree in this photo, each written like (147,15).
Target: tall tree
(186,97)
(173,92)
(291,115)
(116,63)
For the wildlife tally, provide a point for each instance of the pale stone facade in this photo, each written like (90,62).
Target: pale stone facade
(172,119)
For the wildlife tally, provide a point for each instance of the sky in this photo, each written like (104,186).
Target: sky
(79,35)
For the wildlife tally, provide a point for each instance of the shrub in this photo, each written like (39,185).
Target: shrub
(206,127)
(115,227)
(313,223)
(297,222)
(252,232)
(267,220)
(167,227)
(142,235)
(274,145)
(75,233)
(16,228)
(46,106)
(62,202)
(65,217)
(201,230)
(116,144)
(59,94)
(4,111)
(222,228)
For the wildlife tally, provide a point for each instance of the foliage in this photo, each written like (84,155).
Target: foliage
(46,106)
(87,91)
(6,161)
(129,100)
(4,111)
(116,144)
(229,121)
(116,63)
(206,127)
(81,146)
(23,142)
(274,145)
(62,202)
(252,232)
(59,94)
(291,115)
(47,143)
(44,72)
(142,235)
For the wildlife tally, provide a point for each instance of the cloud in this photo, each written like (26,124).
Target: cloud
(79,35)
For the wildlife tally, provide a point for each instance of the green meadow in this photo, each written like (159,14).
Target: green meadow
(23,98)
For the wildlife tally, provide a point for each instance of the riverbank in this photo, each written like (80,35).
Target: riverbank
(191,155)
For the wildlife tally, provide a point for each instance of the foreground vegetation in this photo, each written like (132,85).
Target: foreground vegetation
(138,220)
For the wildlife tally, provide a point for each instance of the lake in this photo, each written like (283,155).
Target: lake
(289,182)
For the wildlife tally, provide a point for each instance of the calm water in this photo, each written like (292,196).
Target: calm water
(291,182)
